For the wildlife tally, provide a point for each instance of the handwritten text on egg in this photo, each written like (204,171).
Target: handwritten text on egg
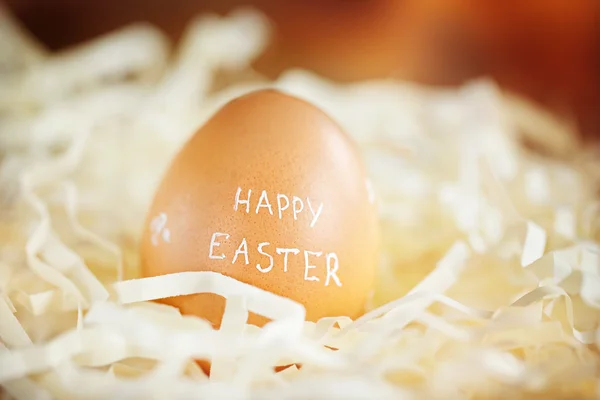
(283,203)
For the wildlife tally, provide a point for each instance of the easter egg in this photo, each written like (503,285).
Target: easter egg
(271,192)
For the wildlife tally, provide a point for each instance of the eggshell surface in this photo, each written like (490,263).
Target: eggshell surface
(271,192)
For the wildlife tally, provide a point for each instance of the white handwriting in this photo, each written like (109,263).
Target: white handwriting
(283,203)
(307,266)
(159,230)
(214,243)
(243,249)
(329,264)
(260,250)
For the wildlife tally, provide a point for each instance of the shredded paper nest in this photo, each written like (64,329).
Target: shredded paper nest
(489,279)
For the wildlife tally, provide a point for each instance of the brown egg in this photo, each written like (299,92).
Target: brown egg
(271,192)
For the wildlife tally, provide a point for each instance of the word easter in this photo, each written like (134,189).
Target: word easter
(331,259)
(283,203)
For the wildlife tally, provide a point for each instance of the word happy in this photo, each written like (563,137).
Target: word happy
(283,203)
(281,206)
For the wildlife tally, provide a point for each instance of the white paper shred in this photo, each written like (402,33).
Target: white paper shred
(11,332)
(537,185)
(489,280)
(535,244)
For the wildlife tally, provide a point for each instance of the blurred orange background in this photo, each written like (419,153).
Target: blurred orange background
(547,50)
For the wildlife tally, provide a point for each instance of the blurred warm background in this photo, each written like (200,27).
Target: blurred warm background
(548,50)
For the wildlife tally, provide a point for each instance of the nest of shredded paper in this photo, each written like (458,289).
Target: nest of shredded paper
(490,270)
